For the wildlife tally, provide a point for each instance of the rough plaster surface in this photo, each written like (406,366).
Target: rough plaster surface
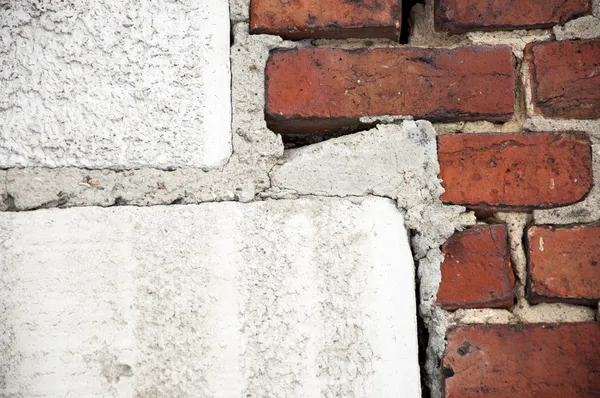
(587,27)
(380,161)
(303,298)
(255,151)
(103,84)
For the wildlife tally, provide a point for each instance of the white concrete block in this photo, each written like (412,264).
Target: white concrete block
(387,160)
(302,298)
(115,84)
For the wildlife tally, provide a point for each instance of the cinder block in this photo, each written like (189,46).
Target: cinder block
(105,84)
(302,298)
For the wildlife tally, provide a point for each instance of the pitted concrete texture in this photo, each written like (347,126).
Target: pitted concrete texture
(103,84)
(402,164)
(380,161)
(302,298)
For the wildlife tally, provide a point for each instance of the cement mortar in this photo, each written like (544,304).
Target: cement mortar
(587,27)
(396,156)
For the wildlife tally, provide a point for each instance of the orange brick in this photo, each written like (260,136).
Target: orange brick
(565,78)
(476,271)
(461,15)
(564,263)
(510,361)
(515,171)
(302,19)
(312,90)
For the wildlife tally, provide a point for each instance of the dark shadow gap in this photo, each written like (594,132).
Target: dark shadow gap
(422,331)
(407,6)
(299,140)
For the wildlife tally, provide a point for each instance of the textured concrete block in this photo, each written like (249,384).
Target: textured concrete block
(104,84)
(299,298)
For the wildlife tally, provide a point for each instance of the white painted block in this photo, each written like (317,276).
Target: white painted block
(304,298)
(115,84)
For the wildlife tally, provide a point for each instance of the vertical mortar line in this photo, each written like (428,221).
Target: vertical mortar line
(520,107)
(516,224)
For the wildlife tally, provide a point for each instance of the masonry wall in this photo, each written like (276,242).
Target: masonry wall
(479,139)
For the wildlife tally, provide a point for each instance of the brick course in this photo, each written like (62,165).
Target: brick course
(505,361)
(303,19)
(320,90)
(476,272)
(460,15)
(564,263)
(515,171)
(565,78)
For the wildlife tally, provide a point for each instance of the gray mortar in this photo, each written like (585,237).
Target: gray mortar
(587,27)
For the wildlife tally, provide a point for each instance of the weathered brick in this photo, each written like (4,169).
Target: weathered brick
(517,171)
(565,78)
(461,15)
(509,361)
(564,263)
(302,19)
(476,271)
(320,90)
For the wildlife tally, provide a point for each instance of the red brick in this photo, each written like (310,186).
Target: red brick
(476,271)
(565,78)
(319,90)
(510,361)
(564,263)
(301,19)
(461,15)
(518,171)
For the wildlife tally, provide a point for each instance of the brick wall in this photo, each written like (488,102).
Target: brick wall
(307,285)
(517,111)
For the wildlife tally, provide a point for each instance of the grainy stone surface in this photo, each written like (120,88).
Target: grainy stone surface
(305,298)
(461,15)
(408,153)
(518,171)
(564,263)
(587,27)
(319,90)
(381,161)
(327,18)
(102,84)
(565,78)
(504,361)
(476,271)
